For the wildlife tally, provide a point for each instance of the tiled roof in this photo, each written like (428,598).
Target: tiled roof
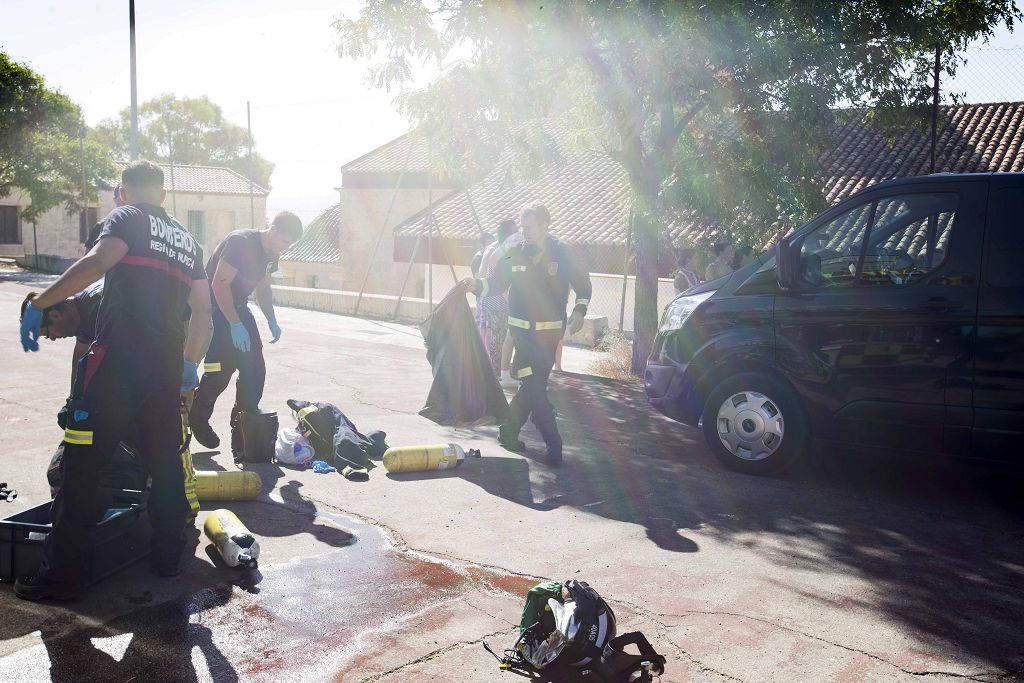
(391,156)
(588,193)
(203,180)
(319,242)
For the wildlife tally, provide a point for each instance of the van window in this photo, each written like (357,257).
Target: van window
(909,237)
(829,255)
(1005,267)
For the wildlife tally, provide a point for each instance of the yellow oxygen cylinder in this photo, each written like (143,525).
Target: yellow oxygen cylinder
(233,541)
(237,485)
(443,456)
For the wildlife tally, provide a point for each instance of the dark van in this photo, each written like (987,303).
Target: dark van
(893,320)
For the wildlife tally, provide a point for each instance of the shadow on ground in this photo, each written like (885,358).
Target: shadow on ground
(941,542)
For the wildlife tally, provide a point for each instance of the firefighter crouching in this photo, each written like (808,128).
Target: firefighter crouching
(537,274)
(130,380)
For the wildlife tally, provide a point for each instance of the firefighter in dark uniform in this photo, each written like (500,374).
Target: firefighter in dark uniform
(129,381)
(73,317)
(538,274)
(241,264)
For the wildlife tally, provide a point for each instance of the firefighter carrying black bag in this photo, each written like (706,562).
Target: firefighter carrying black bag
(568,635)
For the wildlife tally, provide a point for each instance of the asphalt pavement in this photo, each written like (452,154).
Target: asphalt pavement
(866,567)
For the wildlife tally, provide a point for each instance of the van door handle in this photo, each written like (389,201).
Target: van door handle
(937,304)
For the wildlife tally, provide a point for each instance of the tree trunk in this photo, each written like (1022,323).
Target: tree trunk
(646,228)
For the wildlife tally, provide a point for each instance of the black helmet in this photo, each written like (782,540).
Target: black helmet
(594,623)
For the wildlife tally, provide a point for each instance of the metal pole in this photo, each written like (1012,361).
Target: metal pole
(476,218)
(35,245)
(408,271)
(252,201)
(430,226)
(85,188)
(383,227)
(935,104)
(170,160)
(134,135)
(625,267)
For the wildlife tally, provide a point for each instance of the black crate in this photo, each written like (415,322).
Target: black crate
(120,539)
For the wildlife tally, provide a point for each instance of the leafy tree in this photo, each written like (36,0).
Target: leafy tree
(39,144)
(718,107)
(191,130)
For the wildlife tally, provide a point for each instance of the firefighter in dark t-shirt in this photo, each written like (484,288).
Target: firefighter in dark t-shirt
(73,317)
(129,381)
(240,265)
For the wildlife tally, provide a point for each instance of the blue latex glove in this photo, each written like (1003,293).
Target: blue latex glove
(321,467)
(31,321)
(189,376)
(275,329)
(240,337)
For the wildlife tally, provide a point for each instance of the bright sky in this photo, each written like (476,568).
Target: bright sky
(311,111)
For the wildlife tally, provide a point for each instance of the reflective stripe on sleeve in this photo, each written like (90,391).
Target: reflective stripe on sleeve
(483,288)
(524,372)
(211,367)
(552,325)
(582,302)
(77,436)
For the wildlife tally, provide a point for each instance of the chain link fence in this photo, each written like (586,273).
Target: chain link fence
(986,74)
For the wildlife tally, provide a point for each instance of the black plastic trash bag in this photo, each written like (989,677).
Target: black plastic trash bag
(464,388)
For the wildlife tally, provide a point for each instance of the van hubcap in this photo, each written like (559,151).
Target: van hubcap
(750,425)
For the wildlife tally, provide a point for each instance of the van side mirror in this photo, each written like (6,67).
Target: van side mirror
(786,266)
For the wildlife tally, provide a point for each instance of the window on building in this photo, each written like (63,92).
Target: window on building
(86,219)
(9,232)
(196,226)
(314,281)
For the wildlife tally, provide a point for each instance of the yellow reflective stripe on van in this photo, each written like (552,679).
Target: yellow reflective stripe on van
(524,372)
(519,322)
(551,325)
(77,436)
(211,367)
(582,302)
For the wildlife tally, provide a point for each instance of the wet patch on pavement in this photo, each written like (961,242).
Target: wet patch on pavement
(345,614)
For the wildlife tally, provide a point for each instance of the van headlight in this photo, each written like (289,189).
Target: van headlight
(679,310)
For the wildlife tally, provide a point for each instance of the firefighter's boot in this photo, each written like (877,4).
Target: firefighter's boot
(553,441)
(508,437)
(202,431)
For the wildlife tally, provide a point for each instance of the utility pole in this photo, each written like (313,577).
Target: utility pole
(170,159)
(85,184)
(134,137)
(935,104)
(252,200)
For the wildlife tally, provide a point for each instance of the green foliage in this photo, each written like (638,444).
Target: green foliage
(191,130)
(718,108)
(40,150)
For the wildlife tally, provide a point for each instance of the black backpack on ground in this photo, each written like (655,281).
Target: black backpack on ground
(334,437)
(595,655)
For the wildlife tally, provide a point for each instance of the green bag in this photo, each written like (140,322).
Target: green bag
(537,603)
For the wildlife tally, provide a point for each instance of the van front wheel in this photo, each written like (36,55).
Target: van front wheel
(753,423)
